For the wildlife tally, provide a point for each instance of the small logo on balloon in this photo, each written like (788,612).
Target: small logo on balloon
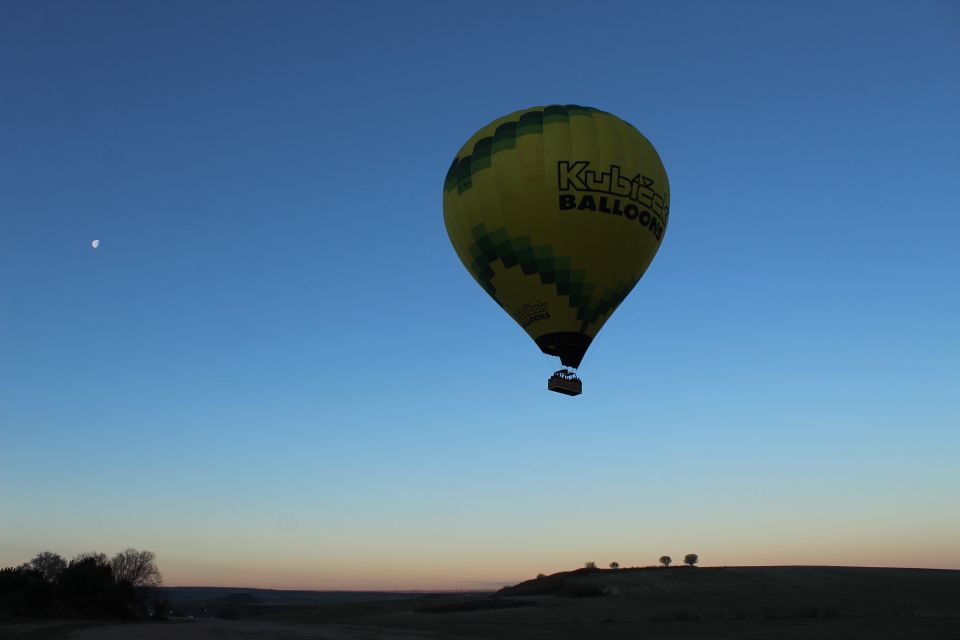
(527,313)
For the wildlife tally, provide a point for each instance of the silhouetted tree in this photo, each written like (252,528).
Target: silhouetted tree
(136,568)
(48,564)
(590,565)
(540,576)
(691,559)
(614,565)
(87,588)
(666,560)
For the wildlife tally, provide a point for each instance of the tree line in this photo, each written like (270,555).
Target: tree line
(691,560)
(91,585)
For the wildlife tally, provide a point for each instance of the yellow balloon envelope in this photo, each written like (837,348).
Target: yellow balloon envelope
(557,212)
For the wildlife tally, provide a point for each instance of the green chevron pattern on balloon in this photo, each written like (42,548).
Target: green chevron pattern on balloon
(461,171)
(490,246)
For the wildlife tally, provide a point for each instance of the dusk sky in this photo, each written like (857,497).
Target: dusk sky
(275,372)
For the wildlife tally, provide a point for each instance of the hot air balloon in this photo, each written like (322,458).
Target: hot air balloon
(557,212)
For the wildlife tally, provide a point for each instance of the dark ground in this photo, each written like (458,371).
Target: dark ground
(676,603)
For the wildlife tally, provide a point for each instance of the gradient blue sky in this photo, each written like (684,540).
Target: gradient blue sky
(275,372)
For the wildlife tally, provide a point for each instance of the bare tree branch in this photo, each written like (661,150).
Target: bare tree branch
(136,568)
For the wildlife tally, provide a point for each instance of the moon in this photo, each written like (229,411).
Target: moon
(95,244)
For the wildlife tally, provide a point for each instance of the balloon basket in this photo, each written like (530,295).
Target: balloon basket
(566,382)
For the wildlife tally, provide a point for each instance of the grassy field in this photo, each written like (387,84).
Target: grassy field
(724,602)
